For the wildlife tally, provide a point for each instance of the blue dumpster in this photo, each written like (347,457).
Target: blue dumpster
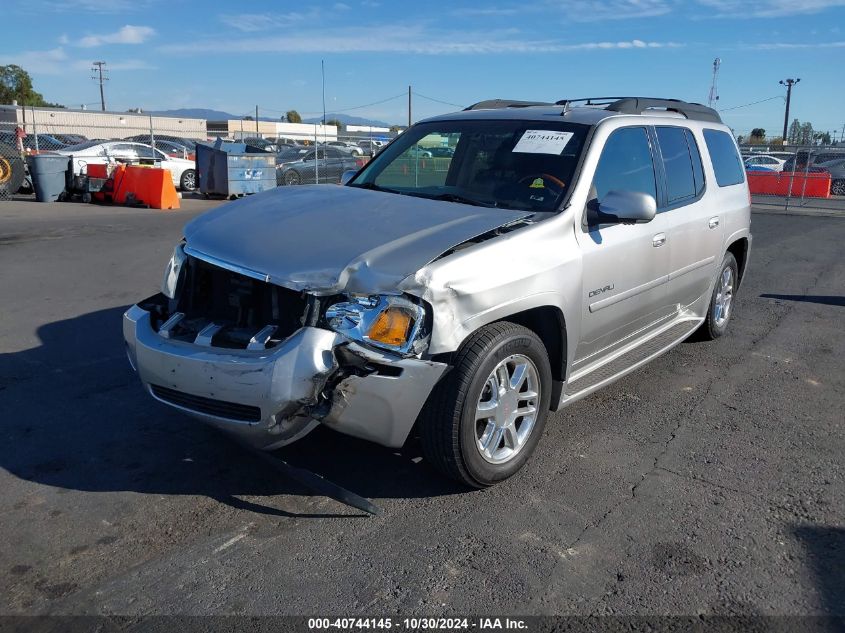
(231,169)
(49,175)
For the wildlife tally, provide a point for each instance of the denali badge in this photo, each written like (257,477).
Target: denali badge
(599,291)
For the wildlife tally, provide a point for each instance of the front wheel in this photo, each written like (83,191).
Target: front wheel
(292,178)
(188,181)
(483,421)
(721,301)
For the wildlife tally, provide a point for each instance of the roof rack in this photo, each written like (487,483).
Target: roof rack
(638,105)
(492,104)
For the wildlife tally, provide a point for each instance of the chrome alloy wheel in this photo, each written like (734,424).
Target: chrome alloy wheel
(507,409)
(724,296)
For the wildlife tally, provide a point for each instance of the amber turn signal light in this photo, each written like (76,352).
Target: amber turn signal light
(391,327)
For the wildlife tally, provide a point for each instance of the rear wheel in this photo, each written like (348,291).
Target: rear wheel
(837,188)
(188,181)
(12,173)
(484,420)
(721,301)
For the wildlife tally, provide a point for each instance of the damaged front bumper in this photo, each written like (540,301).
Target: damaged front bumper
(273,397)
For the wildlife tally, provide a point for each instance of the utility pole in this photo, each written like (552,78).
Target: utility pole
(256,122)
(98,68)
(788,83)
(409,106)
(323,75)
(714,93)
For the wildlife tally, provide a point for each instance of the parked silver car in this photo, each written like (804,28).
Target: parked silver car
(458,301)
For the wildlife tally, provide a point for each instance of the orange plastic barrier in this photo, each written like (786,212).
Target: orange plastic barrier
(810,185)
(145,185)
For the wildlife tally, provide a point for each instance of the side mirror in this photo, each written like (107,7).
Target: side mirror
(347,176)
(628,206)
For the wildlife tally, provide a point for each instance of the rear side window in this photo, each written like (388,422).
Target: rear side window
(677,163)
(626,164)
(726,162)
(697,168)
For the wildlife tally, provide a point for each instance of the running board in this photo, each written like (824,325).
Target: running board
(628,361)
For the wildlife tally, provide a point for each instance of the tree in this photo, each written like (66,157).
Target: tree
(16,85)
(806,134)
(758,133)
(395,129)
(334,122)
(821,138)
(292,116)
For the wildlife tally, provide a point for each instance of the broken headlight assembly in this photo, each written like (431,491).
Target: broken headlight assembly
(171,283)
(385,321)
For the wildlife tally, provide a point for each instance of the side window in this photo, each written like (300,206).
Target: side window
(676,163)
(626,164)
(726,162)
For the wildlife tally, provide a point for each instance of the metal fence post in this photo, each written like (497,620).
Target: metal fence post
(316,158)
(34,129)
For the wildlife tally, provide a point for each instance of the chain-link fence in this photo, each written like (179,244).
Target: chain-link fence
(303,153)
(796,176)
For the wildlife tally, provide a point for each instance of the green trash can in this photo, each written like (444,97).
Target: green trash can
(49,175)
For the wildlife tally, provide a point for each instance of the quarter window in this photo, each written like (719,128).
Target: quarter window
(626,164)
(723,155)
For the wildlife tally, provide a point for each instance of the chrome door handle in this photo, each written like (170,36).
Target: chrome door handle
(658,240)
(714,222)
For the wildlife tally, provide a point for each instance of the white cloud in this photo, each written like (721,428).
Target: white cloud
(50,62)
(599,10)
(404,39)
(126,35)
(788,46)
(768,8)
(254,22)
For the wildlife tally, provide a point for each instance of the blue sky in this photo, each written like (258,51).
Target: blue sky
(231,56)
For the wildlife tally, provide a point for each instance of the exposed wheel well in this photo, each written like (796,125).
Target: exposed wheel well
(739,249)
(547,322)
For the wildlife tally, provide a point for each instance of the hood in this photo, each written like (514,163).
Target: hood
(327,239)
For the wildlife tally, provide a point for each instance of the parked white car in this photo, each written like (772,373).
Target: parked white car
(765,160)
(182,171)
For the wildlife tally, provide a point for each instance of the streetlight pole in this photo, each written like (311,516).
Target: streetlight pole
(788,83)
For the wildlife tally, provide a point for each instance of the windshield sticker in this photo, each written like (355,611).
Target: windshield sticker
(542,142)
(538,184)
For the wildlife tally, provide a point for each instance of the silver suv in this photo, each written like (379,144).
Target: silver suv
(457,296)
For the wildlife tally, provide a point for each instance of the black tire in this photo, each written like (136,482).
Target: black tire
(714,325)
(448,426)
(12,172)
(188,180)
(837,187)
(293,178)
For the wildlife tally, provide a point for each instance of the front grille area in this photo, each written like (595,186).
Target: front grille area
(240,306)
(210,406)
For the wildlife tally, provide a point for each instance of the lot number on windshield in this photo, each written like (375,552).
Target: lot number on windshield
(542,142)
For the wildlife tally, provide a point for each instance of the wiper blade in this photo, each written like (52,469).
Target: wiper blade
(456,197)
(374,187)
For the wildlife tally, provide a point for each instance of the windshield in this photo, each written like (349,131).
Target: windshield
(513,164)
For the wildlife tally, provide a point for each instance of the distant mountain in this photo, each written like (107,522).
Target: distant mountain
(219,115)
(347,119)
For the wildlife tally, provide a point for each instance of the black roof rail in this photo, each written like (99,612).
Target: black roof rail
(638,105)
(491,104)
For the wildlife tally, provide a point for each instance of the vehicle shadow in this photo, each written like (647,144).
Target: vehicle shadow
(75,417)
(827,300)
(825,547)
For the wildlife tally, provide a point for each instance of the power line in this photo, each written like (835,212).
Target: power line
(745,105)
(456,105)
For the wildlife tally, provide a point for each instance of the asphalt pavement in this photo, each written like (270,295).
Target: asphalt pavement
(709,482)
